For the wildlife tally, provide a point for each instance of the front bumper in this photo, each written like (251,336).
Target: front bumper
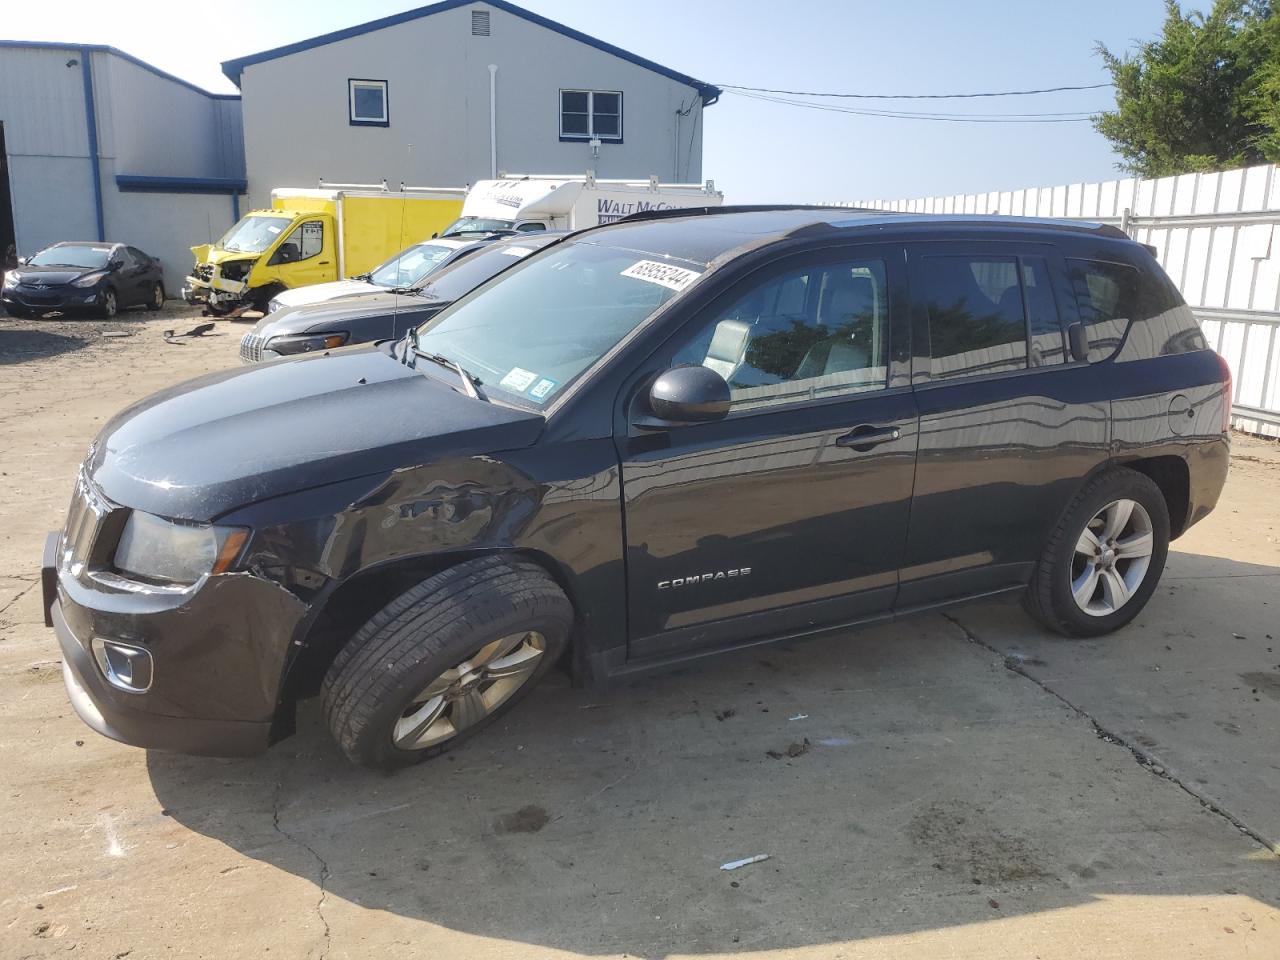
(96,704)
(50,298)
(218,649)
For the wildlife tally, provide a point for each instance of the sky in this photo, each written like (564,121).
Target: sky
(756,151)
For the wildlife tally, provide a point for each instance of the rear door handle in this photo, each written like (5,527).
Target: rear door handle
(865,437)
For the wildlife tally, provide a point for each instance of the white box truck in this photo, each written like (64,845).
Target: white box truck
(525,203)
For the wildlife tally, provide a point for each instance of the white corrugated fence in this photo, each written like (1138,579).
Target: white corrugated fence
(1215,235)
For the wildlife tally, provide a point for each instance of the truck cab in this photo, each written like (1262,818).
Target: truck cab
(308,237)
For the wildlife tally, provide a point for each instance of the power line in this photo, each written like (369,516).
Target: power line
(1079,116)
(913,96)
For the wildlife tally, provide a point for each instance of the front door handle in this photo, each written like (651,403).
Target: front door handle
(866,436)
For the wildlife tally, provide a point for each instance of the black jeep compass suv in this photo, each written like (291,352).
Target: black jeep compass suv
(647,442)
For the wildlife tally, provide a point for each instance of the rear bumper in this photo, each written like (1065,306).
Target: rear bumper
(97,706)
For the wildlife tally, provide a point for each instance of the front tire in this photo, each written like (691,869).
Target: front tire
(108,304)
(157,297)
(443,660)
(1104,559)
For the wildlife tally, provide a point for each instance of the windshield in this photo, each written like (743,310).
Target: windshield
(477,225)
(83,256)
(253,234)
(468,273)
(536,330)
(411,266)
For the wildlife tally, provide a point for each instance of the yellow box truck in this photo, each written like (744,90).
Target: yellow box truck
(314,236)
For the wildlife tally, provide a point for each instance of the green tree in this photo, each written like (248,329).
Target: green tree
(1204,95)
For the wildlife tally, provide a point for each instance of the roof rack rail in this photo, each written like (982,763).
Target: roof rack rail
(669,213)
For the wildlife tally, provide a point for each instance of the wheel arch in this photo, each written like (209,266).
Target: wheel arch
(347,604)
(1171,474)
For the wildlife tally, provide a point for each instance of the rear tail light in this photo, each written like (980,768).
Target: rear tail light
(1226,392)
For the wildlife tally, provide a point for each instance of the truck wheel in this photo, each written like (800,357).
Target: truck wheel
(1104,559)
(156,301)
(443,660)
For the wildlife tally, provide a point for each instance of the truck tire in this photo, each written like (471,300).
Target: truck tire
(444,660)
(1104,559)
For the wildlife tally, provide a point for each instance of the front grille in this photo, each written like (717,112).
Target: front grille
(251,348)
(204,271)
(84,522)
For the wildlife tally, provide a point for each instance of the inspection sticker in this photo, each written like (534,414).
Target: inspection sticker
(663,274)
(516,251)
(518,380)
(542,388)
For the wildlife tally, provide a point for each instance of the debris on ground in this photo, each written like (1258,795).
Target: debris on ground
(799,716)
(199,330)
(116,333)
(793,750)
(726,713)
(745,861)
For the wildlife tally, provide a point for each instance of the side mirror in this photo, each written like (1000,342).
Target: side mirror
(23,261)
(434,235)
(693,394)
(1078,340)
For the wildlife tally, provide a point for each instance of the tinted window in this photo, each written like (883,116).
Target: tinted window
(1108,296)
(809,333)
(462,276)
(975,309)
(307,241)
(1043,325)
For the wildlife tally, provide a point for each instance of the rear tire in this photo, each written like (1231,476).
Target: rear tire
(444,660)
(1104,559)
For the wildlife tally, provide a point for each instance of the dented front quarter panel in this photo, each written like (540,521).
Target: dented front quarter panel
(558,505)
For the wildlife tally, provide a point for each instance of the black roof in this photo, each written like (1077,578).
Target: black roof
(703,233)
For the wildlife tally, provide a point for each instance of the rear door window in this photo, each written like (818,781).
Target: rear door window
(976,321)
(1108,296)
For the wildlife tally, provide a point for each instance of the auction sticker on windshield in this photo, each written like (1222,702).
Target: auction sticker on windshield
(516,251)
(663,274)
(518,380)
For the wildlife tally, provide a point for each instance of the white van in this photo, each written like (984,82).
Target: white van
(525,203)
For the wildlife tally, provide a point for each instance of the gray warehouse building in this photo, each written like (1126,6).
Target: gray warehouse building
(97,144)
(459,91)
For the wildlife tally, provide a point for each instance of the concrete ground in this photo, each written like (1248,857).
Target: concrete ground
(951,786)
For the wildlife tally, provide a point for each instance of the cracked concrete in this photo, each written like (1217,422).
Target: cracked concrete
(322,876)
(946,807)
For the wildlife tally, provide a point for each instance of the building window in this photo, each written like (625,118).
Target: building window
(587,114)
(367,102)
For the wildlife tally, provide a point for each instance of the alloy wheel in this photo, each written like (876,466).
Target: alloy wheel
(1112,557)
(157,297)
(109,303)
(464,695)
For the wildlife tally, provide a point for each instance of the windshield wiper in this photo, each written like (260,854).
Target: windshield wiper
(469,382)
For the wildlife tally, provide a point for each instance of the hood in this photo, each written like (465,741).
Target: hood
(330,314)
(229,439)
(319,292)
(208,253)
(52,275)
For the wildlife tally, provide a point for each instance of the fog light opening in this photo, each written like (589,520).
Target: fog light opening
(125,667)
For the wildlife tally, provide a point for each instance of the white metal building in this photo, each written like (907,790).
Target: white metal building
(459,91)
(98,145)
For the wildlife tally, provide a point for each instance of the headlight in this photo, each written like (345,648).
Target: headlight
(156,549)
(10,279)
(274,305)
(306,342)
(89,279)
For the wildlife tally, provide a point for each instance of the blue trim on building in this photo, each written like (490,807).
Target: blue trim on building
(233,68)
(235,207)
(91,123)
(104,48)
(132,183)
